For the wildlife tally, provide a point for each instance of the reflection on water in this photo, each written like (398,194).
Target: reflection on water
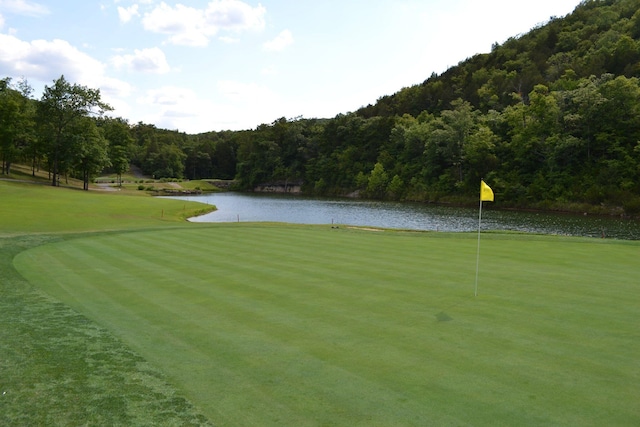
(234,207)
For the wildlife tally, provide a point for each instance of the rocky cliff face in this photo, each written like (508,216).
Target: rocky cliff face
(279,187)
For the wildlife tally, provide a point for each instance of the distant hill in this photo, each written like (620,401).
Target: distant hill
(599,37)
(551,119)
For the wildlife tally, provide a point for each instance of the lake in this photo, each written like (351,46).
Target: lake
(249,207)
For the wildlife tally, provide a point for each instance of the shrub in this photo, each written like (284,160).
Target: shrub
(632,206)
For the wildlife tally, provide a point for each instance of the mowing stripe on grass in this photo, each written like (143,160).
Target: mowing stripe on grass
(264,324)
(57,368)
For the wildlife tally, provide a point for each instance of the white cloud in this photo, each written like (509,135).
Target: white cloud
(194,27)
(235,15)
(114,92)
(173,107)
(168,96)
(228,40)
(250,103)
(46,60)
(282,40)
(233,105)
(24,7)
(126,14)
(1,21)
(270,70)
(115,88)
(185,25)
(242,92)
(145,61)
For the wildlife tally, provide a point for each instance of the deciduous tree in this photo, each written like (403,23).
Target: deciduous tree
(62,106)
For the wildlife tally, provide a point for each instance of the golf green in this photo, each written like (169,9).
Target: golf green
(265,324)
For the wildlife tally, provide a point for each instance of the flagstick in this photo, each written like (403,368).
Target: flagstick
(478,253)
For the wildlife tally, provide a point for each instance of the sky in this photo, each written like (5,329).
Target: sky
(213,65)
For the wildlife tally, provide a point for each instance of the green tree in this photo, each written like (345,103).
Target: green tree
(117,132)
(479,154)
(16,122)
(167,162)
(90,150)
(395,188)
(581,111)
(60,109)
(446,141)
(378,182)
(223,159)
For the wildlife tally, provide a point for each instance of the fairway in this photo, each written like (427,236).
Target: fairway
(29,208)
(262,324)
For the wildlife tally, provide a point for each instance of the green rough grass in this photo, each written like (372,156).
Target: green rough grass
(202,184)
(262,324)
(58,368)
(29,208)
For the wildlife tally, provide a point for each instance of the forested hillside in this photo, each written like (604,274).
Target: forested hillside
(550,119)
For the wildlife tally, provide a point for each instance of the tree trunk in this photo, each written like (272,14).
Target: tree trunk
(54,180)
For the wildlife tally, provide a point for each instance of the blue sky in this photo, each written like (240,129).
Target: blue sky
(213,65)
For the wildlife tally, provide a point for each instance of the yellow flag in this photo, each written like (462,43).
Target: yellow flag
(486,193)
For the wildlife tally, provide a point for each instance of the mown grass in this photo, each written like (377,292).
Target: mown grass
(263,324)
(202,184)
(58,368)
(29,208)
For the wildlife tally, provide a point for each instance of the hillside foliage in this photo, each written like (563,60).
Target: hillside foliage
(550,118)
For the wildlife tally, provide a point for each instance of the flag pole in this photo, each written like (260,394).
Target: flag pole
(478,251)
(486,194)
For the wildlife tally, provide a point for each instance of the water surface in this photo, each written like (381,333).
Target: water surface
(243,207)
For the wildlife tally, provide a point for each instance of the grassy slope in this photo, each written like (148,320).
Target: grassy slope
(297,325)
(56,366)
(29,208)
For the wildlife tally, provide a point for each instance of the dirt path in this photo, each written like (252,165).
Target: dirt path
(106,187)
(137,172)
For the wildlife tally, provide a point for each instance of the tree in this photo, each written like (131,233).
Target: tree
(9,112)
(395,187)
(378,181)
(167,162)
(16,121)
(223,160)
(449,134)
(90,150)
(118,133)
(479,154)
(62,106)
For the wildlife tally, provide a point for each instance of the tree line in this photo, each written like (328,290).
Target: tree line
(65,130)
(550,119)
